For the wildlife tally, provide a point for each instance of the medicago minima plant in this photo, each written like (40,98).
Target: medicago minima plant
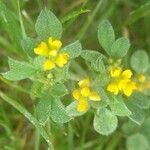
(110,88)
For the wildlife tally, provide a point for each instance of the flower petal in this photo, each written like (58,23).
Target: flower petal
(82,105)
(94,96)
(84,83)
(76,94)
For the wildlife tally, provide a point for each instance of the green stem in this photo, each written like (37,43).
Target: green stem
(70,137)
(29,116)
(89,21)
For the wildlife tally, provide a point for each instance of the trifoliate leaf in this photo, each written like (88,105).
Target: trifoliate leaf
(105,122)
(47,25)
(106,35)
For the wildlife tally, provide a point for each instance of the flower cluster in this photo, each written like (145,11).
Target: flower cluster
(121,81)
(83,94)
(50,51)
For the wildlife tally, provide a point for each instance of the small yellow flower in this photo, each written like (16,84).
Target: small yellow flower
(54,44)
(83,94)
(141,78)
(48,65)
(62,59)
(115,72)
(121,81)
(50,50)
(142,83)
(41,49)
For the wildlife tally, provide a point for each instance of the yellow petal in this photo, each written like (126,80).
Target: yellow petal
(54,44)
(62,59)
(84,83)
(53,53)
(115,72)
(85,91)
(48,65)
(82,105)
(129,88)
(94,96)
(76,94)
(41,49)
(127,74)
(113,87)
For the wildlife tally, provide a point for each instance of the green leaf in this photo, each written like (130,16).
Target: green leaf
(105,122)
(74,49)
(38,63)
(28,45)
(140,100)
(36,89)
(145,128)
(43,108)
(140,61)
(137,142)
(90,55)
(74,14)
(58,112)
(59,90)
(106,35)
(19,70)
(138,115)
(47,25)
(98,65)
(120,47)
(118,107)
(72,110)
(104,97)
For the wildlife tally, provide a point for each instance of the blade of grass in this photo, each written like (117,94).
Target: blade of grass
(29,116)
(138,13)
(21,21)
(89,21)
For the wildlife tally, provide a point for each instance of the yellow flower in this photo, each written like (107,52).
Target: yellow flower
(142,83)
(54,44)
(141,78)
(115,72)
(62,59)
(48,65)
(41,49)
(83,94)
(50,50)
(121,81)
